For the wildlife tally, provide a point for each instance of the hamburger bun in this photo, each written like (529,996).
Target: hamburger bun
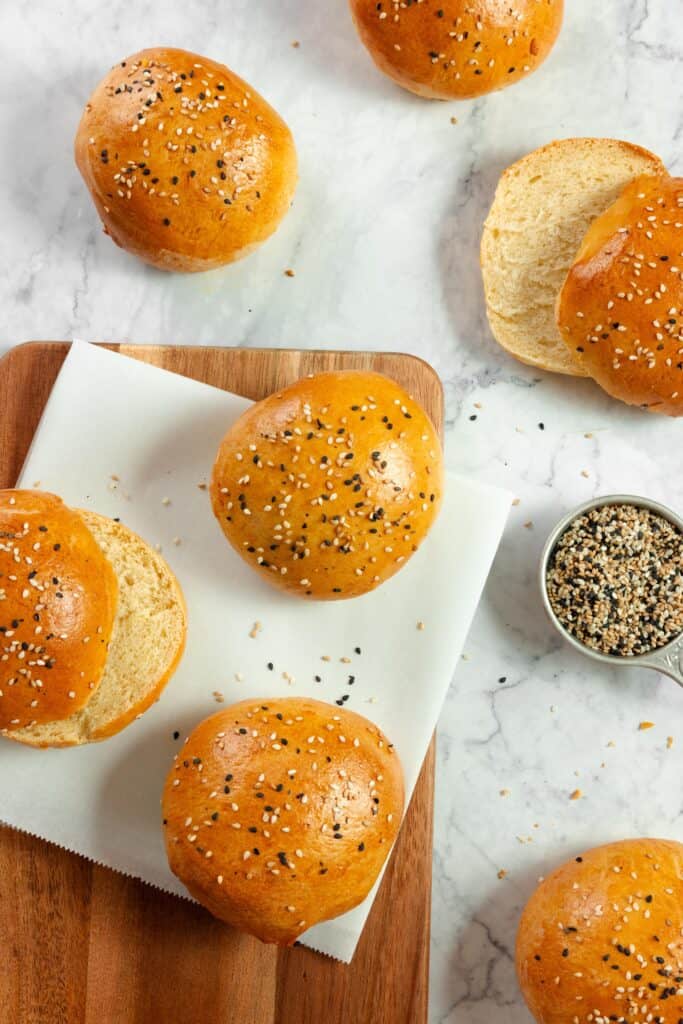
(280,813)
(543,206)
(620,311)
(188,166)
(457,49)
(600,939)
(140,652)
(58,601)
(328,486)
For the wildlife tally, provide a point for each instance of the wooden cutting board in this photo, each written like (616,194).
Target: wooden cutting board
(80,943)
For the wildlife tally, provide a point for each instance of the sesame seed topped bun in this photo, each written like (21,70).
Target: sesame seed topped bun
(457,49)
(280,813)
(620,311)
(543,207)
(58,598)
(600,939)
(329,486)
(188,166)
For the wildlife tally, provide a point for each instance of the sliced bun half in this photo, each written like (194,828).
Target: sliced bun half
(542,209)
(146,645)
(620,311)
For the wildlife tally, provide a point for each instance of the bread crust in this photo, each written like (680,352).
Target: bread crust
(188,166)
(457,49)
(329,486)
(620,311)
(58,597)
(279,813)
(602,936)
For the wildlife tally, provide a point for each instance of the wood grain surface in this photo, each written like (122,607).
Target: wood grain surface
(80,944)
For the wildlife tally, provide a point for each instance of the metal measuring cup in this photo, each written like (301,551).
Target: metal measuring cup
(668,659)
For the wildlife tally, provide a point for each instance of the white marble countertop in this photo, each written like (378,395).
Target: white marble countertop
(383,238)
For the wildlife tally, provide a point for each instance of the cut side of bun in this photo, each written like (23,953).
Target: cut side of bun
(543,207)
(146,645)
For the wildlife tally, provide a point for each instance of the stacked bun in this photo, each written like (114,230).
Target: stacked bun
(457,49)
(188,166)
(279,813)
(582,266)
(92,622)
(328,487)
(543,206)
(600,939)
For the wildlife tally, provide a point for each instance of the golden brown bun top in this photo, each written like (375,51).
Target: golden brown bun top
(188,166)
(621,308)
(58,597)
(328,486)
(458,49)
(280,813)
(600,939)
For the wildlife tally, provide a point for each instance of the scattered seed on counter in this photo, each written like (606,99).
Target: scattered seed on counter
(289,272)
(615,580)
(202,486)
(255,630)
(529,525)
(502,874)
(420,625)
(454,120)
(643,726)
(165,501)
(576,795)
(669,742)
(516,501)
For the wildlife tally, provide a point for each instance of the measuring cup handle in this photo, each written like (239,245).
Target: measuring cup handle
(668,661)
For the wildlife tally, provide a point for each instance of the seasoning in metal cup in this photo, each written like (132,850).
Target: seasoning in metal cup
(615,580)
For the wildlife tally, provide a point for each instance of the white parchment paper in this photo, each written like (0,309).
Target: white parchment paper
(130,440)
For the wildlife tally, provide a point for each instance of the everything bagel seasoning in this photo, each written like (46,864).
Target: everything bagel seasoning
(615,580)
